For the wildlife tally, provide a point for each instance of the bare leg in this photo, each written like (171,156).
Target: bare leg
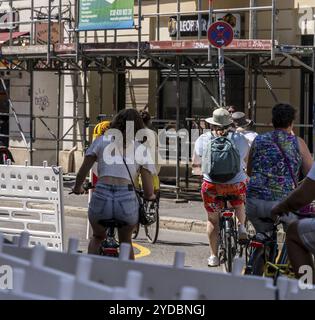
(99,234)
(124,235)
(240,213)
(213,229)
(298,254)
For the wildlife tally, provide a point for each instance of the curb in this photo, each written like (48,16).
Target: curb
(170,223)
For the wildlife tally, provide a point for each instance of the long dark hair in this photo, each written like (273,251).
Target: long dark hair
(121,118)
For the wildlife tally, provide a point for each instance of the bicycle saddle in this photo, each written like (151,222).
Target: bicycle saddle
(107,223)
(227,198)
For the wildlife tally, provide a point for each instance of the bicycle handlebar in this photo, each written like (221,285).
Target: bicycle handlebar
(86,186)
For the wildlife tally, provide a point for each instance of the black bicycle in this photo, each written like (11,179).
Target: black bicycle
(263,254)
(228,238)
(110,245)
(152,209)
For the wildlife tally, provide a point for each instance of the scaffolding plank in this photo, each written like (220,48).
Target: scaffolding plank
(24,50)
(237,44)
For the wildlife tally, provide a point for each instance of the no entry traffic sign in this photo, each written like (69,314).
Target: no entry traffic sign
(220,34)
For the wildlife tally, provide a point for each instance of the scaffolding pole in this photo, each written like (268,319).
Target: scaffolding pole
(58,115)
(314,96)
(31,72)
(252,21)
(178,101)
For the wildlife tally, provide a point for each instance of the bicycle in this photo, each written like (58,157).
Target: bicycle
(228,243)
(151,207)
(110,245)
(263,257)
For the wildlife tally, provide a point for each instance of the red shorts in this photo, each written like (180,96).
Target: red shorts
(209,192)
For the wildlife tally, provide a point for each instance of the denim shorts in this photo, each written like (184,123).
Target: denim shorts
(306,231)
(114,202)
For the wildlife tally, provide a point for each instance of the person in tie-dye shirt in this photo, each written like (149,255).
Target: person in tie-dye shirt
(269,172)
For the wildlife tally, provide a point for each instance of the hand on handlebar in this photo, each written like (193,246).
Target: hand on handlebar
(152,197)
(78,191)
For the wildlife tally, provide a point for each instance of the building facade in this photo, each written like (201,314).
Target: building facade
(60,105)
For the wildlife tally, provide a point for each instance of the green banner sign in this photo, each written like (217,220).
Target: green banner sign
(105,14)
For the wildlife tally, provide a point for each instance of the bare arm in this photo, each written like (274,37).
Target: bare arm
(147,183)
(299,198)
(83,172)
(307,160)
(196,164)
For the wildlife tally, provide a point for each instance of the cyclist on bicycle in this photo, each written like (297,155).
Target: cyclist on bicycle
(114,196)
(151,141)
(235,185)
(274,162)
(300,237)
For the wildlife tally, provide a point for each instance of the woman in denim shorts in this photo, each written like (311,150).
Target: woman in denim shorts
(114,196)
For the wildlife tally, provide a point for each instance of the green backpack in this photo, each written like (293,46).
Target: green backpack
(223,159)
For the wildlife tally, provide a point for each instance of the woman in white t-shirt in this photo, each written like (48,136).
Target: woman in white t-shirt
(300,238)
(114,196)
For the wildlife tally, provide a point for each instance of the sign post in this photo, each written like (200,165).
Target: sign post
(220,34)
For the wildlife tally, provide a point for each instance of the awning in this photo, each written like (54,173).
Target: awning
(5,36)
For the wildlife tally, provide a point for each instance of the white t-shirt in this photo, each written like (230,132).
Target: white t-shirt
(250,136)
(110,162)
(241,144)
(311,173)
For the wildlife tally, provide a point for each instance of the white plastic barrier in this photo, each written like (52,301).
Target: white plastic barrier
(290,289)
(41,282)
(159,281)
(24,190)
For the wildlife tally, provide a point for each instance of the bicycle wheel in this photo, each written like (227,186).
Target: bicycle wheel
(135,232)
(257,262)
(227,244)
(152,230)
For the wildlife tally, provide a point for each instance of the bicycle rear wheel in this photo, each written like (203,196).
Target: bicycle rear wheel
(152,230)
(229,255)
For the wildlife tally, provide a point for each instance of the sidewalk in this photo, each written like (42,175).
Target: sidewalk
(188,216)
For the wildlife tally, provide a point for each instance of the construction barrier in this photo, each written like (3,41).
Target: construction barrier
(31,199)
(71,275)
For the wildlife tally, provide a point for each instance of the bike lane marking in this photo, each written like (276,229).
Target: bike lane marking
(143,251)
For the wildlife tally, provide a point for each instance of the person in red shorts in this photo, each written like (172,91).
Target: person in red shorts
(221,127)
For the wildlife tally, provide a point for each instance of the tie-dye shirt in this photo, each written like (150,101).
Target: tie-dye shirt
(271,179)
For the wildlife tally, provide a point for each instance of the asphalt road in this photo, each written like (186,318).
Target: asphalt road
(194,245)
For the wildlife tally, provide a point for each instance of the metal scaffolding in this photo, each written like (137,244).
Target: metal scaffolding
(73,53)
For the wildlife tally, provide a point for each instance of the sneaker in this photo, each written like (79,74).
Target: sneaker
(213,261)
(242,233)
